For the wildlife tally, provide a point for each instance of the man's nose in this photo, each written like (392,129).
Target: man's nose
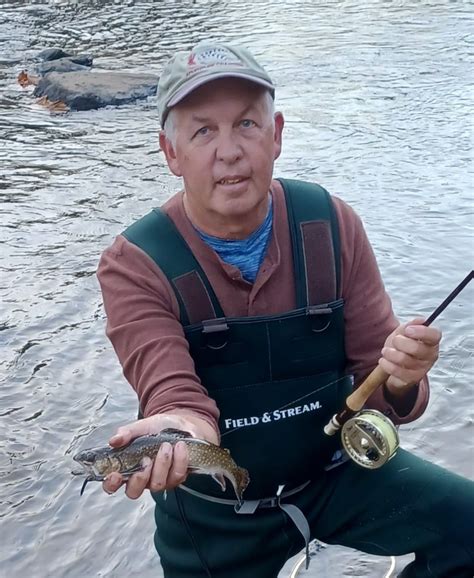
(228,148)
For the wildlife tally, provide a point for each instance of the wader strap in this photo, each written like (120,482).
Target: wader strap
(158,237)
(251,506)
(315,242)
(300,521)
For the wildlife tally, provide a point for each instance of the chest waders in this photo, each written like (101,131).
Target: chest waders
(276,379)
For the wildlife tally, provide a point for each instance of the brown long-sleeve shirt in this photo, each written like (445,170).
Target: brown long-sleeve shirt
(143,314)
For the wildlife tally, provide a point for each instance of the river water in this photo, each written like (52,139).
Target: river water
(377,97)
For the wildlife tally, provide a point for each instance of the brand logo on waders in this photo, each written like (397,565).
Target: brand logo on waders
(271,416)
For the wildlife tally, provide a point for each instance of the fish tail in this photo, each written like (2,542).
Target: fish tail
(242,480)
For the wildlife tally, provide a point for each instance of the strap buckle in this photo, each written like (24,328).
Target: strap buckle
(316,315)
(215,332)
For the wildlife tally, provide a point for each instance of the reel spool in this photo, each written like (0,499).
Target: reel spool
(370,439)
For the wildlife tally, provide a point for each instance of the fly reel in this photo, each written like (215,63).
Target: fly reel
(370,439)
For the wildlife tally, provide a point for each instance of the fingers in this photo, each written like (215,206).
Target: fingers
(409,352)
(168,470)
(179,471)
(112,483)
(401,376)
(170,467)
(138,483)
(428,335)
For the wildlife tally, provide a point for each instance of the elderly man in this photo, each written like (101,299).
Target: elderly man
(242,311)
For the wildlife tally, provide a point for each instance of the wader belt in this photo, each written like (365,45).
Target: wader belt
(251,506)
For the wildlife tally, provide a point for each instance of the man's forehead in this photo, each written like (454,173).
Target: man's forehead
(196,115)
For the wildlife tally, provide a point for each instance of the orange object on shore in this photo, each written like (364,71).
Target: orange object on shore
(25,79)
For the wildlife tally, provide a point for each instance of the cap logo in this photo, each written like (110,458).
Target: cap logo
(208,57)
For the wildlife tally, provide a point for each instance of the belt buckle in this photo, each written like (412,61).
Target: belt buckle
(251,506)
(274,501)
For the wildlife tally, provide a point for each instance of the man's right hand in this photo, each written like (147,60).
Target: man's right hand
(170,466)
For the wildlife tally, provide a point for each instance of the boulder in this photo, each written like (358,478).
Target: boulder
(90,90)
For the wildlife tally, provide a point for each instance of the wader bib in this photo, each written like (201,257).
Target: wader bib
(276,379)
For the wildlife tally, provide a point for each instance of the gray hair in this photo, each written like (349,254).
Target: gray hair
(169,127)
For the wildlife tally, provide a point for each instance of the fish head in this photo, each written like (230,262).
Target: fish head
(91,462)
(85,458)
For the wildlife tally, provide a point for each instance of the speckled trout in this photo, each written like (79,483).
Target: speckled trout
(204,458)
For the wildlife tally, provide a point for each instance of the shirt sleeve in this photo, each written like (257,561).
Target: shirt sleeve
(143,326)
(368,312)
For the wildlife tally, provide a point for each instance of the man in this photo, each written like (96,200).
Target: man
(239,312)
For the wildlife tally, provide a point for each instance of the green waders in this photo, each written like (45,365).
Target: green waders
(277,380)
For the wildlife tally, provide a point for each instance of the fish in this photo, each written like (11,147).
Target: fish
(204,458)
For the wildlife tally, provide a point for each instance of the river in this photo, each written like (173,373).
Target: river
(377,97)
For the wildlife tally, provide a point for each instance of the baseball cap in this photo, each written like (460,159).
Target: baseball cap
(207,61)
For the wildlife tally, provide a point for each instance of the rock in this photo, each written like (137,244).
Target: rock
(63,65)
(52,54)
(91,90)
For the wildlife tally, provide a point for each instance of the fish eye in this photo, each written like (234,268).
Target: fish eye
(86,457)
(90,457)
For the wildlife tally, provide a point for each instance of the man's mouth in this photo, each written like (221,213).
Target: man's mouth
(231,180)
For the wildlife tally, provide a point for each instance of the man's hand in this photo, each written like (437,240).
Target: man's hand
(169,468)
(408,354)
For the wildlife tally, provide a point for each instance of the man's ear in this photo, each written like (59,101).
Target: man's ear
(279,124)
(170,154)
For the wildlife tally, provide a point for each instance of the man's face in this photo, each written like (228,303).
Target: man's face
(225,145)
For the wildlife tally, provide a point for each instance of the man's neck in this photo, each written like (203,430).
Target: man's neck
(227,228)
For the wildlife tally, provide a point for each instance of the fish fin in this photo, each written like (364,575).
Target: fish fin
(220,479)
(176,432)
(127,473)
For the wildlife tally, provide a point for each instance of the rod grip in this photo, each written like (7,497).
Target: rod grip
(356,400)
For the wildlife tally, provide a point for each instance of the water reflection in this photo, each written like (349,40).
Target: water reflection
(376,99)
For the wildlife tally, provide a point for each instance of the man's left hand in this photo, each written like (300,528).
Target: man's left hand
(408,354)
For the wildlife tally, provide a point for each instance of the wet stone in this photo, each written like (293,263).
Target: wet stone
(91,90)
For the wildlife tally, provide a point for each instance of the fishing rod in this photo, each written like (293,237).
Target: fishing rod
(368,436)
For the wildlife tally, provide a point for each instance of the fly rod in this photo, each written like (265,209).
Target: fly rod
(357,399)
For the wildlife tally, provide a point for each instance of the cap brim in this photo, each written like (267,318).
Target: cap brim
(197,82)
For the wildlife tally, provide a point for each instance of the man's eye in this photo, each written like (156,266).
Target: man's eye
(247,123)
(203,131)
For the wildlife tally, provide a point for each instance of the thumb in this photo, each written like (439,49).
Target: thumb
(126,433)
(400,330)
(416,321)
